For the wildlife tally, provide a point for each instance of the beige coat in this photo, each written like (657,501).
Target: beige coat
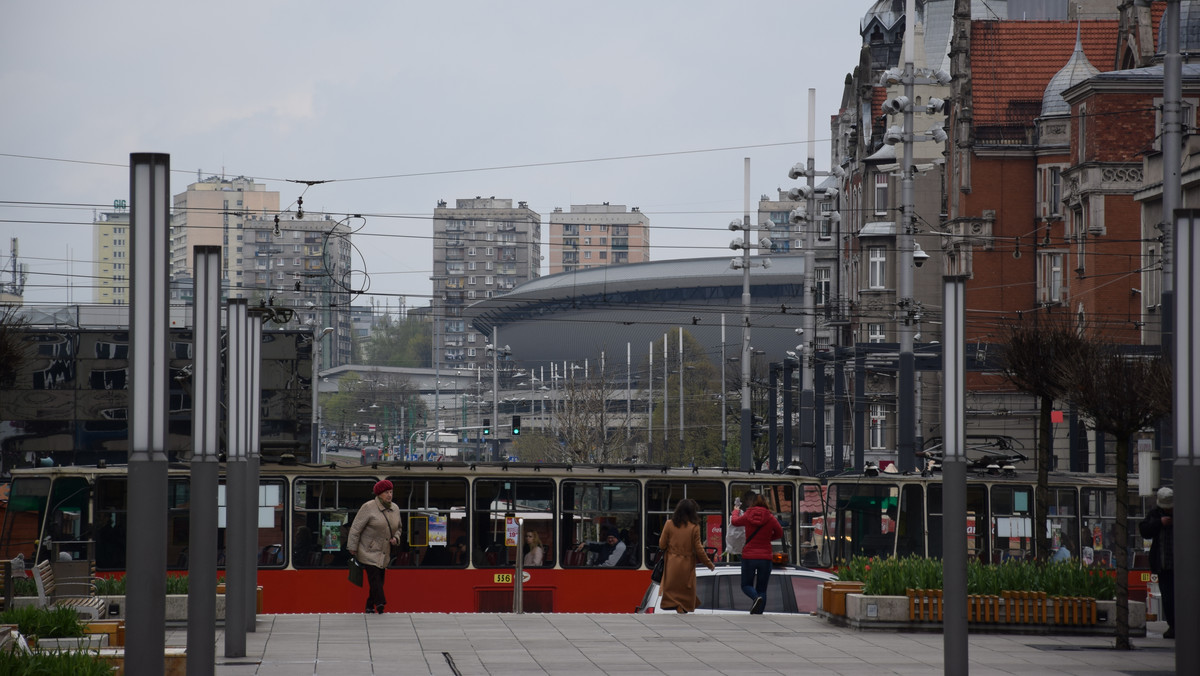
(371,533)
(683,550)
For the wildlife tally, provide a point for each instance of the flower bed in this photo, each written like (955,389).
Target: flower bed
(895,576)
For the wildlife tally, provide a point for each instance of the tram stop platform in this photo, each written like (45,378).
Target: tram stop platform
(580,645)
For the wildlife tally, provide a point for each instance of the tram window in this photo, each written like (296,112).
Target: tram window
(1063,523)
(435,521)
(23,517)
(910,526)
(1011,522)
(781,500)
(495,499)
(810,517)
(593,509)
(661,498)
(1098,536)
(866,519)
(322,512)
(111,515)
(269,539)
(977,534)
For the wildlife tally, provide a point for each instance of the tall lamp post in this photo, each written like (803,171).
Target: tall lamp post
(496,350)
(744,264)
(315,451)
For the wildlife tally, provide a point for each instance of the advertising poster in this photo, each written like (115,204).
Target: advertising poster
(331,536)
(437,531)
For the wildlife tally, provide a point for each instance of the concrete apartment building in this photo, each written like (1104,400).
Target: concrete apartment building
(595,235)
(211,212)
(482,247)
(110,258)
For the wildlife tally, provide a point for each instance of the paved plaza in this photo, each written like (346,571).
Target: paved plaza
(581,645)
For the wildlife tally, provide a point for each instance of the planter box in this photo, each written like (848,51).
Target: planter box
(174,661)
(113,629)
(90,642)
(177,605)
(892,613)
(833,595)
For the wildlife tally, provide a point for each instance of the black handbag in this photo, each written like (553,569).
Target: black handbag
(356,572)
(656,575)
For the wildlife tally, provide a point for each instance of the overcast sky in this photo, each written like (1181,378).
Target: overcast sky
(417,102)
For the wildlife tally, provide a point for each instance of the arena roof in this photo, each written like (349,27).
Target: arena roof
(575,315)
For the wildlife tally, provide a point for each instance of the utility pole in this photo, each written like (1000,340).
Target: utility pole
(906,384)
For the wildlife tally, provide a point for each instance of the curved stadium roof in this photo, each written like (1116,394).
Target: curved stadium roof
(575,315)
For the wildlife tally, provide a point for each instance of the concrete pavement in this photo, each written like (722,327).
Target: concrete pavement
(581,645)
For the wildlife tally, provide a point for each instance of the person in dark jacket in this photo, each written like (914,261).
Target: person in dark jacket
(680,543)
(376,529)
(761,528)
(608,552)
(1158,526)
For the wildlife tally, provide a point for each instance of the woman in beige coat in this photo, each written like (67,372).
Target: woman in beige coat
(680,543)
(375,529)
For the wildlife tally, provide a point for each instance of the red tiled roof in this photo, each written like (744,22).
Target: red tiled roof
(1013,61)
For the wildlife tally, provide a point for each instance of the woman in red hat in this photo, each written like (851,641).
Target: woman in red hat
(375,529)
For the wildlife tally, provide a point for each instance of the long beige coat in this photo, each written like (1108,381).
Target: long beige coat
(371,532)
(683,550)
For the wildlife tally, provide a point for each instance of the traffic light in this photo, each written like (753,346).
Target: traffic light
(487,426)
(516,426)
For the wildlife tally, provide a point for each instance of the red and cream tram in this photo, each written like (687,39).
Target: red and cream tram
(453,557)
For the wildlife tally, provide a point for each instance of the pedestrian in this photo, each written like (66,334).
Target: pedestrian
(761,528)
(608,552)
(1157,526)
(375,530)
(680,543)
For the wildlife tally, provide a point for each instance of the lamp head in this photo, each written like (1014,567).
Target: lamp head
(919,255)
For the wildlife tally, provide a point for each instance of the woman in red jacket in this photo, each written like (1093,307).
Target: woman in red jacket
(761,528)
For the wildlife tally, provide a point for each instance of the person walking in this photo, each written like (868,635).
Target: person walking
(680,543)
(375,530)
(1158,527)
(761,528)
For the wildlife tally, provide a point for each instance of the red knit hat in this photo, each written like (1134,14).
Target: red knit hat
(382,486)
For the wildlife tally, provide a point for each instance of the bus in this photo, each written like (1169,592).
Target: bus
(453,556)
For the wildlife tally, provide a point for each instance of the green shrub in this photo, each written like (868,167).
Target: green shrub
(34,621)
(109,586)
(65,663)
(894,576)
(24,586)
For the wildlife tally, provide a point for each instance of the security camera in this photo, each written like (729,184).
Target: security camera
(831,193)
(798,169)
(799,332)
(938,134)
(919,256)
(895,106)
(798,215)
(942,77)
(735,225)
(765,243)
(735,244)
(801,192)
(893,135)
(935,105)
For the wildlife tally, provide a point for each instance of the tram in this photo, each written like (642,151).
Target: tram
(453,556)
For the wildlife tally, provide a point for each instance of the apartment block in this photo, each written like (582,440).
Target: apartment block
(110,256)
(211,213)
(595,235)
(482,247)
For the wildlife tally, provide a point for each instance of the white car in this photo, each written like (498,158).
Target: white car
(789,590)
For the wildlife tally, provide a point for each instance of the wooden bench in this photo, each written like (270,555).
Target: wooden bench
(91,606)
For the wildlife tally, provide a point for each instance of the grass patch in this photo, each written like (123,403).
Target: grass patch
(34,621)
(64,663)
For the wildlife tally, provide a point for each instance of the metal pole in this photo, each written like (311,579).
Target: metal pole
(772,419)
(666,402)
(907,381)
(254,330)
(789,364)
(650,408)
(1172,143)
(235,478)
(724,392)
(681,389)
(146,551)
(807,405)
(495,391)
(747,456)
(519,575)
(954,478)
(206,445)
(628,391)
(1187,458)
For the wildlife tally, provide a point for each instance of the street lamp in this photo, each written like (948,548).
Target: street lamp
(315,452)
(495,349)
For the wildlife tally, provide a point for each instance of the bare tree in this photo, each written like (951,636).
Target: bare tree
(1122,394)
(1032,346)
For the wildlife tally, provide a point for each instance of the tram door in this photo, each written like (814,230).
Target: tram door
(977,521)
(866,519)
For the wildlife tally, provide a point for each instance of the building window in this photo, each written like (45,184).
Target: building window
(489,280)
(470,265)
(881,194)
(877,267)
(587,241)
(878,419)
(603,255)
(1081,137)
(587,228)
(821,286)
(603,241)
(1050,276)
(587,255)
(875,333)
(1055,191)
(471,251)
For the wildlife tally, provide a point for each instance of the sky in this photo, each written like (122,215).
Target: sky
(398,105)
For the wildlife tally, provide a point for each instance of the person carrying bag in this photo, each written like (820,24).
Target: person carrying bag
(756,554)
(375,530)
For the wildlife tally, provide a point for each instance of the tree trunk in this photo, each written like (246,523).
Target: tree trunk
(1041,501)
(1121,546)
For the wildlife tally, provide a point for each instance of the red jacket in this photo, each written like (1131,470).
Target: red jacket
(761,527)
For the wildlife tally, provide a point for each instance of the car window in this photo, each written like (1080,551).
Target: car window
(704,591)
(778,593)
(806,590)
